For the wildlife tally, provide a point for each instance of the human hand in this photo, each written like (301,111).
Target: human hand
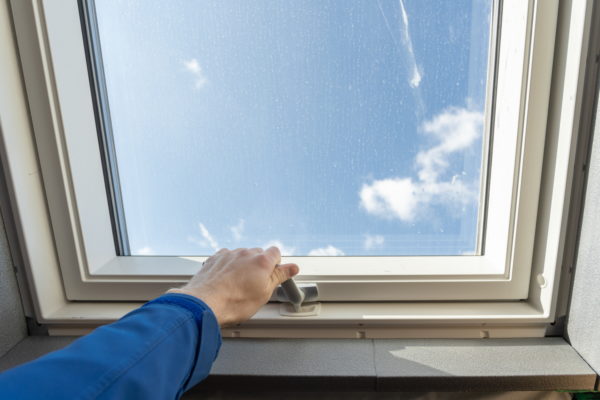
(236,283)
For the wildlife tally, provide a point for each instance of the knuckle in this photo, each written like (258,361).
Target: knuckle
(243,252)
(263,260)
(276,251)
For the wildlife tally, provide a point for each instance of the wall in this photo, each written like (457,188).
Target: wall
(12,321)
(583,327)
(12,327)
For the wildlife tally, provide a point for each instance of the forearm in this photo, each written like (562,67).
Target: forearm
(155,352)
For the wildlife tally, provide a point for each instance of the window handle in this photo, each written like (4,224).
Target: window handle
(290,292)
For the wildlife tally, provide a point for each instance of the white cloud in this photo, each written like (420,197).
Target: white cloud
(456,129)
(403,198)
(285,250)
(194,68)
(416,77)
(393,197)
(238,230)
(326,251)
(373,241)
(209,240)
(144,251)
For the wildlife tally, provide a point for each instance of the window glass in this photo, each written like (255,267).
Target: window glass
(325,127)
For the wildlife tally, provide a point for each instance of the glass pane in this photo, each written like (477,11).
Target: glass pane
(326,127)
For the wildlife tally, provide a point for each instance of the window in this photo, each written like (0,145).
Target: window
(329,128)
(500,248)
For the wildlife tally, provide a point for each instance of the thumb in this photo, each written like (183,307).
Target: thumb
(283,272)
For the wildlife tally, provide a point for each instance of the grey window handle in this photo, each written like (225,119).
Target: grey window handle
(290,292)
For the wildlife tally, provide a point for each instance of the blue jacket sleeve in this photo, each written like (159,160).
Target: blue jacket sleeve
(158,351)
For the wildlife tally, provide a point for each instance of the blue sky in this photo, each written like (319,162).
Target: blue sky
(326,127)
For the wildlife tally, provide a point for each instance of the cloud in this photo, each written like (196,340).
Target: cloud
(326,251)
(373,241)
(208,239)
(394,197)
(212,243)
(144,251)
(194,68)
(238,230)
(285,250)
(455,129)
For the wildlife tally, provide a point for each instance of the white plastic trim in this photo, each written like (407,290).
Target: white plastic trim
(78,205)
(38,234)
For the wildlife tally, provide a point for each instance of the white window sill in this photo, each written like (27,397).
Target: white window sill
(346,320)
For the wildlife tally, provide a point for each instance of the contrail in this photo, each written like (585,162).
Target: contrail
(415,80)
(389,28)
(413,69)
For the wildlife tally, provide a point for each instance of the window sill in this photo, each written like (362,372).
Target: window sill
(378,365)
(345,320)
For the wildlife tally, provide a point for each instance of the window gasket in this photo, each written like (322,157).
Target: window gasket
(93,53)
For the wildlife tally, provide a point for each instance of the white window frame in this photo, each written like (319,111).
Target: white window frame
(67,239)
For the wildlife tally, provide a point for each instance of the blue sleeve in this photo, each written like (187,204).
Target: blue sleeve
(158,351)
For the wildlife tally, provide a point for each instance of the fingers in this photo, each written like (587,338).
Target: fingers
(211,259)
(290,270)
(274,254)
(221,251)
(283,272)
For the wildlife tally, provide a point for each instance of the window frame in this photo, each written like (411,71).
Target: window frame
(66,239)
